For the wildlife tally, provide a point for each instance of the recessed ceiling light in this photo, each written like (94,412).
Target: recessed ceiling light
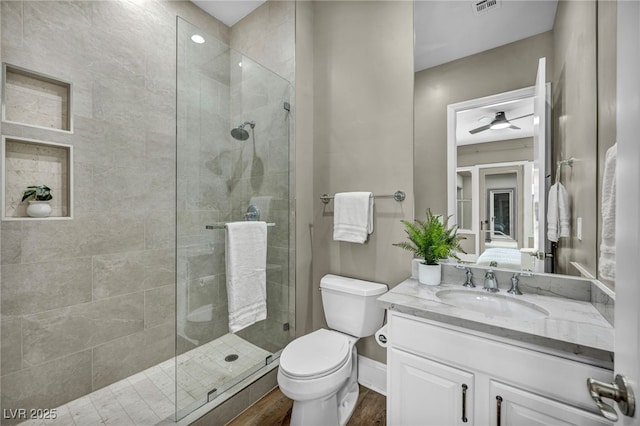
(197,38)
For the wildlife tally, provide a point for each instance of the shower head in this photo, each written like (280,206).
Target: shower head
(240,133)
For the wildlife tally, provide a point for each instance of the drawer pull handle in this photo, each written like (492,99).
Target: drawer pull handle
(498,409)
(464,403)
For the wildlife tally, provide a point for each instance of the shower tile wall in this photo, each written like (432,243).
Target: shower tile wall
(89,301)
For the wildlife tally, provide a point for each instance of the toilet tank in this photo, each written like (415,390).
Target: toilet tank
(350,305)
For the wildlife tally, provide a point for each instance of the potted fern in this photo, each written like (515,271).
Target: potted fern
(431,240)
(38,197)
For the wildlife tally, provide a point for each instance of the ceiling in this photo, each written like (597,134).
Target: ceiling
(228,11)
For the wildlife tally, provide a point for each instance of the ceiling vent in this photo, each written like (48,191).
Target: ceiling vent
(485,6)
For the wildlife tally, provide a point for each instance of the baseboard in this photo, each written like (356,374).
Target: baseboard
(372,374)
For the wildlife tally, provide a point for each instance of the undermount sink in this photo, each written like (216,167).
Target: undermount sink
(492,304)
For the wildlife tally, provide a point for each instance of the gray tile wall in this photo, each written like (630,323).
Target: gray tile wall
(89,301)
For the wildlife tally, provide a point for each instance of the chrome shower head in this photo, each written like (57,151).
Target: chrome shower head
(239,133)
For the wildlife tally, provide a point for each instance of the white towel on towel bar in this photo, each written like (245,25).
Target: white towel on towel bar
(607,262)
(558,222)
(352,216)
(246,267)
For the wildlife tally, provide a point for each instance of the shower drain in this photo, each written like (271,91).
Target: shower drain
(231,358)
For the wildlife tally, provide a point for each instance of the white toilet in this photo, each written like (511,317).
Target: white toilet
(319,371)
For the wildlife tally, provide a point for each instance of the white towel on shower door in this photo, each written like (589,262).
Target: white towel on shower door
(352,216)
(246,267)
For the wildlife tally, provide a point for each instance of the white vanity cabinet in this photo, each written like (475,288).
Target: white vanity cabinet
(439,374)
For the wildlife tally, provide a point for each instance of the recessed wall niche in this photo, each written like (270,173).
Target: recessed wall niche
(28,162)
(34,99)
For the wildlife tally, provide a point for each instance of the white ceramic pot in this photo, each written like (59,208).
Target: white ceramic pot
(429,274)
(39,208)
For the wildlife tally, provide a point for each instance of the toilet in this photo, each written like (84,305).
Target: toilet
(319,371)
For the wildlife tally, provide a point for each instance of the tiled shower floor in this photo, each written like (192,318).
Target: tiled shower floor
(148,397)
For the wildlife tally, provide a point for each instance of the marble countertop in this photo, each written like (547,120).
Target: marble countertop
(572,325)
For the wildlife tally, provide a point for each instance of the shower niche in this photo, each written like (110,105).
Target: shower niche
(27,162)
(34,99)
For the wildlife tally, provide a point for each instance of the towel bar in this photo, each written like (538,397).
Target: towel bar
(222,225)
(398,196)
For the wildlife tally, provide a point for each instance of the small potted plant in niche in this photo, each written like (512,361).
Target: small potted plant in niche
(431,240)
(38,197)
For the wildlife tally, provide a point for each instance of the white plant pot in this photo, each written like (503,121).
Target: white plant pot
(429,274)
(39,208)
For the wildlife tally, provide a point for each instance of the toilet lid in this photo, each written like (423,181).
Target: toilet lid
(317,353)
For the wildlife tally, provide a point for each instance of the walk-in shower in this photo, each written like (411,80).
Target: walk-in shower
(239,133)
(218,182)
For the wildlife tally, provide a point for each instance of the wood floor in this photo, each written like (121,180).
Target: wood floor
(274,409)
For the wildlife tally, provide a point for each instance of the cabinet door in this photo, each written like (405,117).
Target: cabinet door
(516,407)
(424,392)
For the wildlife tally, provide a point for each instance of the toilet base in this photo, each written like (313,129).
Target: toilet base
(336,409)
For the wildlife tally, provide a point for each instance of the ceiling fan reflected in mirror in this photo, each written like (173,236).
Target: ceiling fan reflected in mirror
(499,122)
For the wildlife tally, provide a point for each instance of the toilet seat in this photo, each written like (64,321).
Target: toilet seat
(316,354)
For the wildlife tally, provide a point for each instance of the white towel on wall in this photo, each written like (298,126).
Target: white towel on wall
(352,216)
(558,215)
(246,268)
(607,261)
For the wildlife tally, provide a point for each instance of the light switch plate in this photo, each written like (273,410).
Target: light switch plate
(579,228)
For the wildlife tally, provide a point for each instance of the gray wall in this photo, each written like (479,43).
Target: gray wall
(575,127)
(362,137)
(304,195)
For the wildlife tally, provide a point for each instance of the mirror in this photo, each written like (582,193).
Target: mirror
(472,53)
(494,153)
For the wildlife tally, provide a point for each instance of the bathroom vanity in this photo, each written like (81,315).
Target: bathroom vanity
(461,356)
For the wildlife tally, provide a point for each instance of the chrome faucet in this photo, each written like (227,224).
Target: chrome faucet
(514,282)
(468,274)
(490,282)
(469,281)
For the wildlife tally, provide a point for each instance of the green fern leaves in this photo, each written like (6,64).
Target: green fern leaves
(431,239)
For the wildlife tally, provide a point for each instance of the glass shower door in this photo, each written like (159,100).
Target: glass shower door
(232,165)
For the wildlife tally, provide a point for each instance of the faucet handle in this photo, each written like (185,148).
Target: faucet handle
(514,282)
(469,281)
(469,276)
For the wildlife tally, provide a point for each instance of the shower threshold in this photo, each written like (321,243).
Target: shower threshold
(149,397)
